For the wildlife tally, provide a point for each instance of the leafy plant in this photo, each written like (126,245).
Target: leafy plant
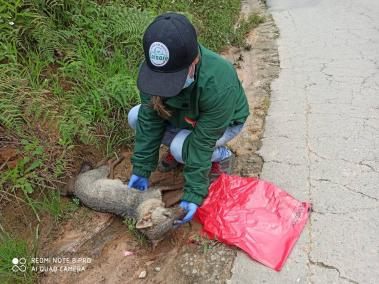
(12,93)
(23,177)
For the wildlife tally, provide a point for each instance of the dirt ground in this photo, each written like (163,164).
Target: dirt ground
(109,253)
(183,257)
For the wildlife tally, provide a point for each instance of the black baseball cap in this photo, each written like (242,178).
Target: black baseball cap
(170,46)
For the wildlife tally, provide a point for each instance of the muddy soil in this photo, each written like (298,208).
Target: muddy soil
(113,254)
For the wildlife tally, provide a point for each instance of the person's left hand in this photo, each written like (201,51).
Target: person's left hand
(191,210)
(138,182)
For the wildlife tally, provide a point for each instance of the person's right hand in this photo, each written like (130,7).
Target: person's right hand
(190,208)
(138,182)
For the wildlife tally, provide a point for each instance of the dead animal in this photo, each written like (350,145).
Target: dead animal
(100,193)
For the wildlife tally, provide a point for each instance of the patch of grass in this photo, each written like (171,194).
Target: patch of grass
(11,248)
(54,205)
(23,177)
(214,20)
(73,205)
(245,26)
(131,227)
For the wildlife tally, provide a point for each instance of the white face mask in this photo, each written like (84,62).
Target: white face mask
(188,81)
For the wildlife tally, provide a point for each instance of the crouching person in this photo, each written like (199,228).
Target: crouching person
(192,101)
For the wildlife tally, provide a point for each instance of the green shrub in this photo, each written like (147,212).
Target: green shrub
(94,49)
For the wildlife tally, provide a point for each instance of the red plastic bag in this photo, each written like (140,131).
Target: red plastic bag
(254,215)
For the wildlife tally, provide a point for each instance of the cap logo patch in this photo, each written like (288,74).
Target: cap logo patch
(159,54)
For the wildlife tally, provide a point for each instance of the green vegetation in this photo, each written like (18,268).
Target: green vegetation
(53,204)
(244,27)
(11,248)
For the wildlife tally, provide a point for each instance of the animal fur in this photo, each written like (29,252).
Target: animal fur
(99,193)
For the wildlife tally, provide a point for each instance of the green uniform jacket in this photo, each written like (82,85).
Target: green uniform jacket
(215,101)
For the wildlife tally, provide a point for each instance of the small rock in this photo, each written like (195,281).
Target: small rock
(142,274)
(157,269)
(222,258)
(194,271)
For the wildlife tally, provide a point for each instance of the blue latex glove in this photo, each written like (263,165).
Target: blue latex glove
(191,210)
(138,182)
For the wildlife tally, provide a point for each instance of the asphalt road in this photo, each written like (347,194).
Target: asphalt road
(321,141)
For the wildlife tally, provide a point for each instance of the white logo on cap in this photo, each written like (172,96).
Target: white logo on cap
(158,54)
